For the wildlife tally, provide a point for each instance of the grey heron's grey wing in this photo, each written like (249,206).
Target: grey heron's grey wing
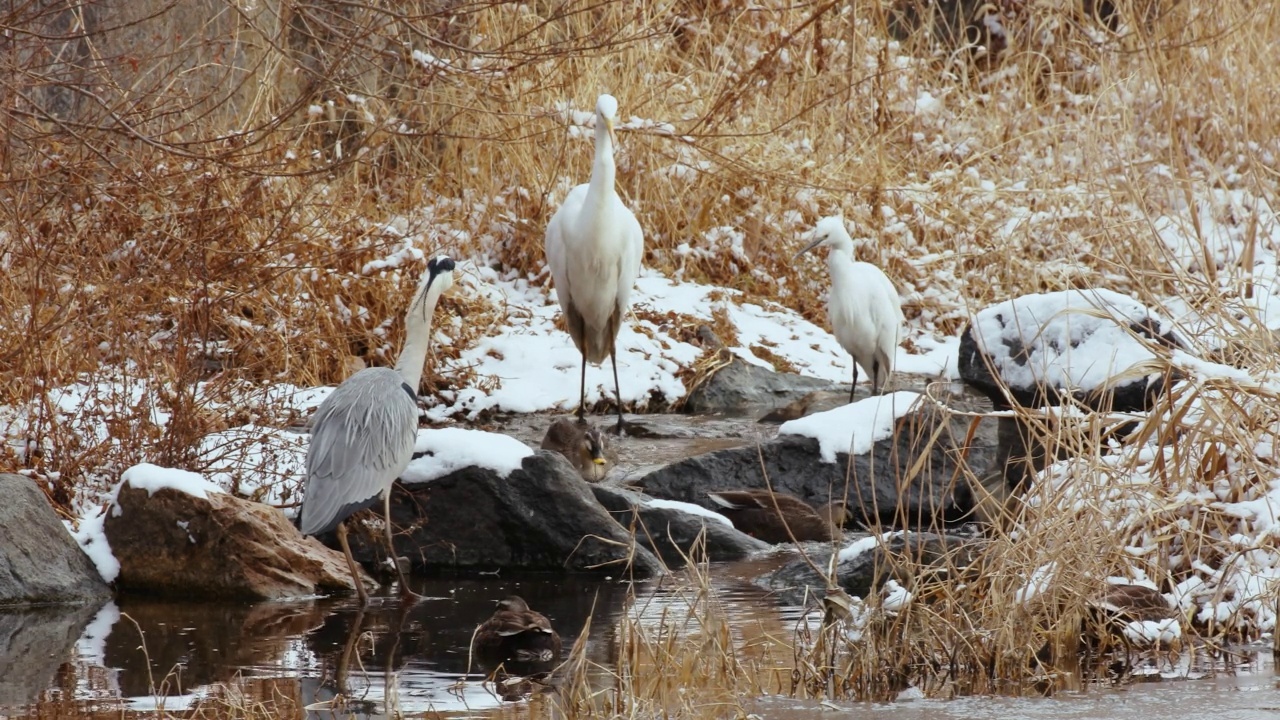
(361,441)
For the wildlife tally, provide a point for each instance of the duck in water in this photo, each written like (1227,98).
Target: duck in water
(767,516)
(517,634)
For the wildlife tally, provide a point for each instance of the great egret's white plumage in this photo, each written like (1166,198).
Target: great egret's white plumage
(363,434)
(594,247)
(863,306)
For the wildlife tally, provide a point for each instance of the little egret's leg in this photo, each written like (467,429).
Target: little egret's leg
(405,590)
(351,564)
(617,389)
(582,392)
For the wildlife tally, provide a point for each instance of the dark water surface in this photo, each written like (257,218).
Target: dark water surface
(132,657)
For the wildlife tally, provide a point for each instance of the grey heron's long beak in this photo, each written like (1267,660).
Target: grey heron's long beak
(807,248)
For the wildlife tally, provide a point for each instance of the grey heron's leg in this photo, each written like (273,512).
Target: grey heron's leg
(405,590)
(617,389)
(351,564)
(854,386)
(348,649)
(582,392)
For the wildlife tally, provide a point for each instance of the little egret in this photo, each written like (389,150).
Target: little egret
(594,247)
(362,436)
(863,306)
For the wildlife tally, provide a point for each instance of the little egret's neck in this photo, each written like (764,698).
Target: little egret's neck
(602,168)
(417,337)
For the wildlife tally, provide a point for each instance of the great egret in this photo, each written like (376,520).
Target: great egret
(776,517)
(583,446)
(594,247)
(517,634)
(362,436)
(863,306)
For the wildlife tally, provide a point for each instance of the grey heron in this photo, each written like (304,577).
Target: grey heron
(594,249)
(362,435)
(863,306)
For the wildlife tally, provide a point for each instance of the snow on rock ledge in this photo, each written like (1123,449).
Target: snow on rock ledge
(854,428)
(442,451)
(1073,342)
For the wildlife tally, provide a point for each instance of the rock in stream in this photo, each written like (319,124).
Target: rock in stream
(40,563)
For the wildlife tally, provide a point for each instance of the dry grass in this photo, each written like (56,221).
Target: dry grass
(212,196)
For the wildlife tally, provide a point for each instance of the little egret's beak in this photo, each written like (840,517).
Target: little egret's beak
(807,248)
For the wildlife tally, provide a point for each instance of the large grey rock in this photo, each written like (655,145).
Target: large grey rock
(543,516)
(672,534)
(34,643)
(793,464)
(739,386)
(174,544)
(863,572)
(40,563)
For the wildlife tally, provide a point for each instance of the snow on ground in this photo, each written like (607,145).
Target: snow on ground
(526,365)
(853,428)
(689,508)
(450,449)
(1059,339)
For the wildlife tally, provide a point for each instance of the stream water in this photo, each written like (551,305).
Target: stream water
(132,657)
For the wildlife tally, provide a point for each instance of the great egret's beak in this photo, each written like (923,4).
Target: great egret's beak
(807,248)
(613,136)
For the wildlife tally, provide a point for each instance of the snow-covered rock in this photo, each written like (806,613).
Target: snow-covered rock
(1077,343)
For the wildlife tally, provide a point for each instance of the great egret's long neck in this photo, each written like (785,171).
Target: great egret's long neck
(602,168)
(417,337)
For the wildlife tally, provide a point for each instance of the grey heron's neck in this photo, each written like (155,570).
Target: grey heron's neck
(602,168)
(417,338)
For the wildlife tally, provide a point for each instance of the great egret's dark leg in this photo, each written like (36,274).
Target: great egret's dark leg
(406,592)
(854,386)
(582,393)
(351,564)
(617,389)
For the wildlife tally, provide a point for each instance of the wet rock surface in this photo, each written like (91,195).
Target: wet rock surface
(34,644)
(860,573)
(542,517)
(674,535)
(740,385)
(792,464)
(40,563)
(173,544)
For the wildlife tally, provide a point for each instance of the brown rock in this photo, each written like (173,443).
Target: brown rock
(174,544)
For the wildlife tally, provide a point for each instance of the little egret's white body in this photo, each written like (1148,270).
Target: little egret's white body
(863,306)
(594,248)
(363,434)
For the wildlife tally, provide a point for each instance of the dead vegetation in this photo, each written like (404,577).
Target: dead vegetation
(215,199)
